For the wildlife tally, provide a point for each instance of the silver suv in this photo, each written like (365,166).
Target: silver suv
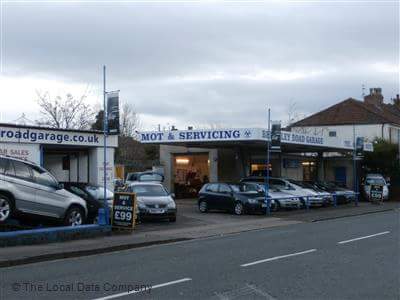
(29,189)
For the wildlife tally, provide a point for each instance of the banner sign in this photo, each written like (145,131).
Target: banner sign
(124,210)
(360,147)
(276,137)
(376,192)
(242,134)
(113,112)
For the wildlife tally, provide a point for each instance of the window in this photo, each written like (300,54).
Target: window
(22,170)
(224,188)
(43,178)
(3,165)
(213,188)
(9,169)
(332,133)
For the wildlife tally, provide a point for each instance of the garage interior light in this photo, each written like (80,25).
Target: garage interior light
(182,161)
(308,163)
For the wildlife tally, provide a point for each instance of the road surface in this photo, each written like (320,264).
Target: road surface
(347,258)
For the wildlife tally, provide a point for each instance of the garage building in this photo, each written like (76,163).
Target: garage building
(70,155)
(191,157)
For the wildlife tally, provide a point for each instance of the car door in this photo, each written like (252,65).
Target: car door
(211,195)
(225,198)
(18,175)
(49,198)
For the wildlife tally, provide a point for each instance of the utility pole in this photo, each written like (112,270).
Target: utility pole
(105,121)
(268,199)
(355,181)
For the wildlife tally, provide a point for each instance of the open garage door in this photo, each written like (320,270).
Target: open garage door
(67,165)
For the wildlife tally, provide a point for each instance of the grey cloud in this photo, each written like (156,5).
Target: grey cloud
(151,49)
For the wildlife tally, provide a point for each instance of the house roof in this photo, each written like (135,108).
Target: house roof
(352,111)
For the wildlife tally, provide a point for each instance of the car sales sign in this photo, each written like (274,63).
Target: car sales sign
(124,210)
(376,192)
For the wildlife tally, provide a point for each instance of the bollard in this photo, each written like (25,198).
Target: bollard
(356,199)
(334,200)
(307,203)
(102,217)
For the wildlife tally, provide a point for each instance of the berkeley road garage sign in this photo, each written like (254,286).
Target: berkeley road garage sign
(240,134)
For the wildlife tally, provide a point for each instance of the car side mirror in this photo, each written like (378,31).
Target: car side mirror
(60,186)
(388,184)
(172,195)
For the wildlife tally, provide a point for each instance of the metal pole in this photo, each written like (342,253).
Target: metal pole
(105,120)
(268,211)
(355,184)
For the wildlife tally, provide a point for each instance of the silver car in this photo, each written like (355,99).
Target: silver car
(153,201)
(26,188)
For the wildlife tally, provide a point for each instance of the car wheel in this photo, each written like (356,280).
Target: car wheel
(74,217)
(203,207)
(172,219)
(239,209)
(6,208)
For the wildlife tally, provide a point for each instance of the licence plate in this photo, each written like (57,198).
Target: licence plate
(156,211)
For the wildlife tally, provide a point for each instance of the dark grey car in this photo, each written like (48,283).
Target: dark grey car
(26,188)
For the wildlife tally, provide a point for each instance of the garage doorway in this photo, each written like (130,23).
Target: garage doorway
(190,172)
(70,165)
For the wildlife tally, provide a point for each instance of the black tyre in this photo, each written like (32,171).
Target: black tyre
(238,209)
(278,206)
(6,208)
(75,216)
(203,206)
(172,219)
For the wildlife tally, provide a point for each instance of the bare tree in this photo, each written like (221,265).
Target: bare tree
(129,121)
(64,111)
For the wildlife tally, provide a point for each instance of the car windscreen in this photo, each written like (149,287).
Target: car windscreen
(148,190)
(150,177)
(377,181)
(97,192)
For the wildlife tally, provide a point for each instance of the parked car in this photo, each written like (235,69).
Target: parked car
(93,195)
(326,197)
(26,188)
(281,199)
(284,185)
(343,195)
(238,198)
(374,179)
(147,176)
(153,201)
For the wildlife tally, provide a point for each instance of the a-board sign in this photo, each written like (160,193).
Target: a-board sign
(124,210)
(376,192)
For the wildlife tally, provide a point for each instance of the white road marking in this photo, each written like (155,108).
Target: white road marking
(136,292)
(364,237)
(260,292)
(277,257)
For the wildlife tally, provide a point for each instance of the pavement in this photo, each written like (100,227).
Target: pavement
(190,225)
(344,258)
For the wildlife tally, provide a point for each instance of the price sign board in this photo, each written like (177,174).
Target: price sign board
(376,192)
(124,210)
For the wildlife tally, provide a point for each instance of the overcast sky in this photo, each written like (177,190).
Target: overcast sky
(199,64)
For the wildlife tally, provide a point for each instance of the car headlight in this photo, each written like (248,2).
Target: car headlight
(252,201)
(171,205)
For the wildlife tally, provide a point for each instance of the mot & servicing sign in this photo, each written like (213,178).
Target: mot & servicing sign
(227,135)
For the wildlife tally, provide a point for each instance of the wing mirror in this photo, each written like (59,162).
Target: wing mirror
(60,186)
(172,195)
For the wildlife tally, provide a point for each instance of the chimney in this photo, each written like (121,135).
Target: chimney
(375,97)
(396,101)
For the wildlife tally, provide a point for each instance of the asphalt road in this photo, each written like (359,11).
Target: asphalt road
(348,258)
